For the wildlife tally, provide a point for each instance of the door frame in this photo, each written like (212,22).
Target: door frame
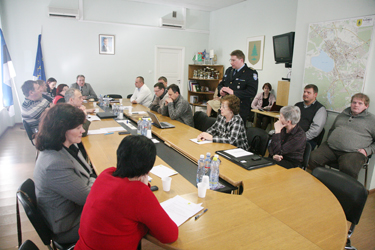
(182,83)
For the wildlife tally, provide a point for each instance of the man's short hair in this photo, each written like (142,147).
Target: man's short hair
(141,78)
(363,97)
(291,113)
(27,87)
(40,82)
(80,76)
(163,78)
(238,53)
(174,88)
(312,86)
(70,93)
(160,85)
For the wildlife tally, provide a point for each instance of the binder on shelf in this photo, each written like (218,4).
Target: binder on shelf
(245,159)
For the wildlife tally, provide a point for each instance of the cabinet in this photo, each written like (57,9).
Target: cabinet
(207,85)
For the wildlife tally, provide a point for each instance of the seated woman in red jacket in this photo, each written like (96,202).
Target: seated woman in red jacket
(60,93)
(121,208)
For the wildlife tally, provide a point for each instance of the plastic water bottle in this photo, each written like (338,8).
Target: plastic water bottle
(214,175)
(207,164)
(100,100)
(139,126)
(149,132)
(217,157)
(200,170)
(144,127)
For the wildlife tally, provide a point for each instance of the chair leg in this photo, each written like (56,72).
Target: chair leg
(348,241)
(366,168)
(19,231)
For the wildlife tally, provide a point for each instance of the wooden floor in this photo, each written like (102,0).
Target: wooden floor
(17,157)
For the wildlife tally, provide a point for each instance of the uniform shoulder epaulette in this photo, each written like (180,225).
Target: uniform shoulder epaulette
(251,68)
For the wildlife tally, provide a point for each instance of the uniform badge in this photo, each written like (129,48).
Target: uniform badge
(255,76)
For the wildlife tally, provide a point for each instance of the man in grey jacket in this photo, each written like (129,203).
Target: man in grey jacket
(85,88)
(351,138)
(176,107)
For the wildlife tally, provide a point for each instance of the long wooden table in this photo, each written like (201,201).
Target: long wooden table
(279,208)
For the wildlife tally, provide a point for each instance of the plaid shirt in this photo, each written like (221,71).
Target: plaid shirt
(232,132)
(32,110)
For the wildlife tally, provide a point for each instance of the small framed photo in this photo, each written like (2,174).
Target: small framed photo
(107,44)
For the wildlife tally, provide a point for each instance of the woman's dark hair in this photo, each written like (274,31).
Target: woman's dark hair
(233,103)
(60,88)
(51,79)
(135,156)
(268,85)
(54,124)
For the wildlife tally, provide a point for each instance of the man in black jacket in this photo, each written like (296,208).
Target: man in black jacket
(241,81)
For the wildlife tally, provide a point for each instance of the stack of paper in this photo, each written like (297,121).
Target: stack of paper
(200,142)
(93,118)
(180,209)
(105,130)
(163,171)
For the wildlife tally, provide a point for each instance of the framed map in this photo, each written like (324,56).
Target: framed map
(336,59)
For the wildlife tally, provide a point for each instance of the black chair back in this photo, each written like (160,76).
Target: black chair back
(306,156)
(129,96)
(28,245)
(199,120)
(113,96)
(29,132)
(258,140)
(351,194)
(319,138)
(26,196)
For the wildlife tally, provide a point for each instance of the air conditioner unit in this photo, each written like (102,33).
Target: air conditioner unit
(65,13)
(171,21)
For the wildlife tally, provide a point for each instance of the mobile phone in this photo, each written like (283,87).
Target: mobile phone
(256,158)
(123,132)
(154,188)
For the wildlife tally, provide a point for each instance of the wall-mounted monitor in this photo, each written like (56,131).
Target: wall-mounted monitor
(283,48)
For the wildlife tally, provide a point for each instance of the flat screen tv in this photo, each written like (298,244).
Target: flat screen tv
(283,48)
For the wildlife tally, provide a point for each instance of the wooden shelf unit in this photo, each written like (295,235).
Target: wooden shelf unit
(210,83)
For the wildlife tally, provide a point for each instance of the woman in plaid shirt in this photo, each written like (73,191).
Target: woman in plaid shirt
(229,127)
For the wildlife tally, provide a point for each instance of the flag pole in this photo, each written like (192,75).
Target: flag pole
(18,98)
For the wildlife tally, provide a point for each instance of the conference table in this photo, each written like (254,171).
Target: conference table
(278,208)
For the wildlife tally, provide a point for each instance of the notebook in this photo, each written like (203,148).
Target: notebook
(157,123)
(106,115)
(249,162)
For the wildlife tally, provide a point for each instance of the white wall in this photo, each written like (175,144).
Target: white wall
(71,47)
(231,26)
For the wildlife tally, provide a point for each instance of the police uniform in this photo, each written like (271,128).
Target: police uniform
(244,84)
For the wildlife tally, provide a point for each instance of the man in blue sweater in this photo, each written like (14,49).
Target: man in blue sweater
(351,138)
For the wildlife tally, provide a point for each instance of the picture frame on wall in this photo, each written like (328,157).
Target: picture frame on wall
(106,44)
(254,55)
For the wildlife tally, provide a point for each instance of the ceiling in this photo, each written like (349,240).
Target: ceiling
(206,5)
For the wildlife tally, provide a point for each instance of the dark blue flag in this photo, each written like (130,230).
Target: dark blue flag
(39,65)
(7,74)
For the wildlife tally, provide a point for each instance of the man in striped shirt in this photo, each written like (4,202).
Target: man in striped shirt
(34,104)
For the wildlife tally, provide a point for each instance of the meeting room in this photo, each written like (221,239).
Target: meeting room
(162,124)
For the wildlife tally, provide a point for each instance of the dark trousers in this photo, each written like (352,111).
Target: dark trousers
(262,121)
(349,163)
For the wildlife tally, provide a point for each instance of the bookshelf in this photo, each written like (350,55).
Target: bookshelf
(203,81)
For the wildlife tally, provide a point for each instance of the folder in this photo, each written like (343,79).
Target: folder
(246,159)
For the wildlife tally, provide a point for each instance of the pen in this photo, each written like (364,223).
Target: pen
(109,133)
(199,215)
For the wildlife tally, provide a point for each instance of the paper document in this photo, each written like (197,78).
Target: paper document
(200,142)
(154,141)
(238,152)
(97,131)
(139,112)
(180,209)
(163,171)
(93,118)
(114,129)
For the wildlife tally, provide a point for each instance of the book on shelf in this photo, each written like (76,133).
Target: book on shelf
(194,86)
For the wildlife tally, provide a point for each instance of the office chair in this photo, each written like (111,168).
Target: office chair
(351,194)
(365,167)
(29,132)
(28,245)
(306,156)
(202,122)
(26,196)
(129,96)
(258,140)
(113,96)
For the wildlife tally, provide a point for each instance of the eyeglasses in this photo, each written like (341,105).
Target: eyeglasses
(232,60)
(223,107)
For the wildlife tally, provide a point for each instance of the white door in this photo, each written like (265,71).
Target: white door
(170,63)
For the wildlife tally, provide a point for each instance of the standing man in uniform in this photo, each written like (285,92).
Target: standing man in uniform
(241,81)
